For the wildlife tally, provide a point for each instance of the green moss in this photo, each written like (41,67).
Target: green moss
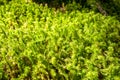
(37,42)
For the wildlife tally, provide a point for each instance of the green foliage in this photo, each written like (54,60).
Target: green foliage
(4,1)
(39,43)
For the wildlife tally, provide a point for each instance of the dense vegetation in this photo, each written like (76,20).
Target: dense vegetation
(41,43)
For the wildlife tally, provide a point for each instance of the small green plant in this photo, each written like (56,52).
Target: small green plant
(37,42)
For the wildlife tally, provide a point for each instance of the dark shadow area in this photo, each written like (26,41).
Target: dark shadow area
(3,2)
(112,8)
(105,7)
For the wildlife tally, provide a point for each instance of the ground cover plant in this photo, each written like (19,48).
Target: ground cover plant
(39,43)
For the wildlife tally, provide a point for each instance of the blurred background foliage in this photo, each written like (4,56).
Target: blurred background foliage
(105,7)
